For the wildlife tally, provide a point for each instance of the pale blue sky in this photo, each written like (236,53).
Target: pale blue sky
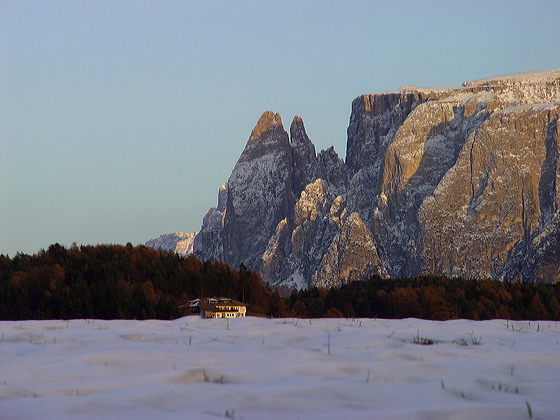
(119,120)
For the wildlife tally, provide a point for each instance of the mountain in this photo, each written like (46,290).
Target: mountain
(456,181)
(181,243)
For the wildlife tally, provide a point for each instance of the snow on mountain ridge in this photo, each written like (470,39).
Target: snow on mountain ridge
(180,242)
(530,87)
(538,76)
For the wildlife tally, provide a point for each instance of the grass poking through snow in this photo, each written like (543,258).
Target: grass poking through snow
(424,341)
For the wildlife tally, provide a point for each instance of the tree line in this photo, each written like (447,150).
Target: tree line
(429,297)
(117,282)
(137,282)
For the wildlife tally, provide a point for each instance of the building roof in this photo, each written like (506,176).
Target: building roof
(211,304)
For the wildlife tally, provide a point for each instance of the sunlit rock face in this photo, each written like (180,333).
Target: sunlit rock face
(501,194)
(466,183)
(455,181)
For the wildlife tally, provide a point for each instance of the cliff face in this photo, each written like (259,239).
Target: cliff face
(500,195)
(460,182)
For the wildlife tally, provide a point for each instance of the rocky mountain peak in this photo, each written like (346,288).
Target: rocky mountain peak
(454,181)
(303,155)
(260,192)
(268,121)
(300,141)
(296,122)
(331,168)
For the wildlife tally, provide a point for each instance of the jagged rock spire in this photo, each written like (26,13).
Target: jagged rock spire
(303,154)
(259,192)
(267,122)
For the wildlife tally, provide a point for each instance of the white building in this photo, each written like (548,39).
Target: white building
(219,308)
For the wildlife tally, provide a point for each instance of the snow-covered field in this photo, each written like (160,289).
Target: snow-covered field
(254,368)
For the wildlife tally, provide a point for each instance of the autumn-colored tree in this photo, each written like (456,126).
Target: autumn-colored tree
(434,304)
(299,310)
(333,313)
(537,309)
(278,307)
(403,303)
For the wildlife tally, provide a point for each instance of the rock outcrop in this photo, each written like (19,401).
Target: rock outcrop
(209,240)
(260,192)
(180,243)
(457,181)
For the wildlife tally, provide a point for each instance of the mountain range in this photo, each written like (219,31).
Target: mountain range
(449,181)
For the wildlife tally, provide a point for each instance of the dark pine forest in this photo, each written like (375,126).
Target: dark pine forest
(136,282)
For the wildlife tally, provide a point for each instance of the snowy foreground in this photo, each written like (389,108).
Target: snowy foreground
(256,368)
